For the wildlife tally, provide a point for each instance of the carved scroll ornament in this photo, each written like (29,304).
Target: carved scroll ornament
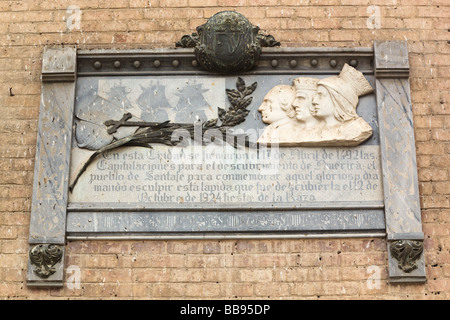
(314,112)
(44,257)
(407,252)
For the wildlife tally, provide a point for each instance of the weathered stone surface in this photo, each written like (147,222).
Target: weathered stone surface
(59,64)
(51,174)
(225,224)
(401,191)
(48,210)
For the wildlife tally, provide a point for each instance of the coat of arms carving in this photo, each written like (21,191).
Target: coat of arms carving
(227,43)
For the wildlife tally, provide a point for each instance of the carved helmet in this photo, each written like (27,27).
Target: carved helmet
(350,83)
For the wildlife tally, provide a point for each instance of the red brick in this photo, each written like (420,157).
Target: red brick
(242,261)
(202,261)
(242,290)
(324,274)
(184,247)
(291,274)
(203,290)
(430,148)
(426,188)
(255,275)
(269,290)
(168,261)
(440,161)
(142,275)
(442,187)
(436,201)
(169,290)
(306,289)
(438,285)
(344,35)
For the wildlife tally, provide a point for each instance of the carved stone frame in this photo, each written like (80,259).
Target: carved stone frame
(52,161)
(388,61)
(399,166)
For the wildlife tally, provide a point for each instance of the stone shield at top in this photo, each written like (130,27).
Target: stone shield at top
(227,43)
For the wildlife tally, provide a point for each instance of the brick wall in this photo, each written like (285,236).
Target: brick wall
(332,268)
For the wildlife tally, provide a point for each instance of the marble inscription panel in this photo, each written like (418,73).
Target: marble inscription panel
(213,176)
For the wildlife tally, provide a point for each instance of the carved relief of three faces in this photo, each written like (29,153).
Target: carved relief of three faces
(316,112)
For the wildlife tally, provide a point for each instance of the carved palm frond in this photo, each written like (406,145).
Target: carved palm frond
(161,133)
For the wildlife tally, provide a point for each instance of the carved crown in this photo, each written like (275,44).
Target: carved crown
(304,83)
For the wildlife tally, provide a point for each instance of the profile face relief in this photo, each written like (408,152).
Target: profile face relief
(265,109)
(302,106)
(317,112)
(270,111)
(322,104)
(277,111)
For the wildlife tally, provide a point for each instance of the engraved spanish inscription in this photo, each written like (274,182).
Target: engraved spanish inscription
(219,176)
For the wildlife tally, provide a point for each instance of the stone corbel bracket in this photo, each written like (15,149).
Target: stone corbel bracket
(51,172)
(401,191)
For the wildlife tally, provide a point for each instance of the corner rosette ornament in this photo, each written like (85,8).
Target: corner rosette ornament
(407,252)
(227,43)
(44,257)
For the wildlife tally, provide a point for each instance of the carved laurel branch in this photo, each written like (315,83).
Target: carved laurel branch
(162,133)
(407,252)
(44,257)
(239,102)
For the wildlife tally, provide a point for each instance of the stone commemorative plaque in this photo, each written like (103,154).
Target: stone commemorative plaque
(222,139)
